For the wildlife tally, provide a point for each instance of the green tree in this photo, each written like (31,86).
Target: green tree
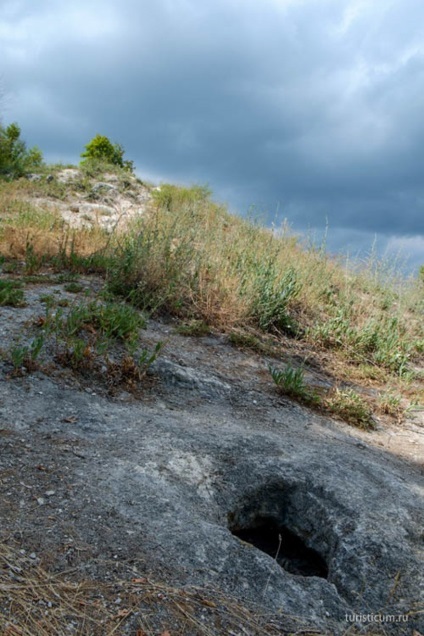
(15,158)
(100,148)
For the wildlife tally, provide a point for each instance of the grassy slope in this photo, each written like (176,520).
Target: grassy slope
(190,258)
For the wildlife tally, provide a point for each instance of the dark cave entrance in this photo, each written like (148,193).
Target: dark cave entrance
(279,542)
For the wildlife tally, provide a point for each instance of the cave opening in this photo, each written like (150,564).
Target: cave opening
(282,544)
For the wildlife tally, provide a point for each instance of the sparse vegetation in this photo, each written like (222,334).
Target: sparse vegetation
(73,287)
(172,198)
(346,404)
(26,356)
(86,331)
(194,328)
(190,258)
(291,381)
(391,404)
(88,337)
(350,407)
(259,342)
(11,293)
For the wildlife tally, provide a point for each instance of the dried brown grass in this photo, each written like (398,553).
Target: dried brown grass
(34,602)
(189,257)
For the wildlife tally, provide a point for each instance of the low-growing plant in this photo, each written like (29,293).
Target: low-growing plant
(244,340)
(193,328)
(26,355)
(130,370)
(107,321)
(33,260)
(9,267)
(77,354)
(43,184)
(273,294)
(391,404)
(291,382)
(67,277)
(260,343)
(68,258)
(145,358)
(73,287)
(380,342)
(18,355)
(350,407)
(48,299)
(371,372)
(11,293)
(98,335)
(152,267)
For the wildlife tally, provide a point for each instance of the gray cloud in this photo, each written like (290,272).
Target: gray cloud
(310,108)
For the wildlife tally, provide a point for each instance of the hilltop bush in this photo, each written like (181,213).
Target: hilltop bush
(15,158)
(101,149)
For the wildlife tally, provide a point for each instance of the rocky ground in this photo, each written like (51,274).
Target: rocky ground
(186,475)
(109,202)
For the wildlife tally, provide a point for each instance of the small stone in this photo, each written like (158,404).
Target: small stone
(41,501)
(32,555)
(50,493)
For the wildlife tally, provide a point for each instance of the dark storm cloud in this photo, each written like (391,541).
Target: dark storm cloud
(313,108)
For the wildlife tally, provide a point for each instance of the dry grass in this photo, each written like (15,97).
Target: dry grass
(197,261)
(26,229)
(189,257)
(34,602)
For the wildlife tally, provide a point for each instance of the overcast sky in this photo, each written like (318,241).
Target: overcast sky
(311,110)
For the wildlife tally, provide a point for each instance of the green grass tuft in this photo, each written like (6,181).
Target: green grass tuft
(11,293)
(291,382)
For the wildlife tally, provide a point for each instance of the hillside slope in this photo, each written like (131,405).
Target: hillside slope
(150,462)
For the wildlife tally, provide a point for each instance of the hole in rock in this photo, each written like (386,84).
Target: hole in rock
(291,553)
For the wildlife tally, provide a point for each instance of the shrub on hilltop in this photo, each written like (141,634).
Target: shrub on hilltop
(101,149)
